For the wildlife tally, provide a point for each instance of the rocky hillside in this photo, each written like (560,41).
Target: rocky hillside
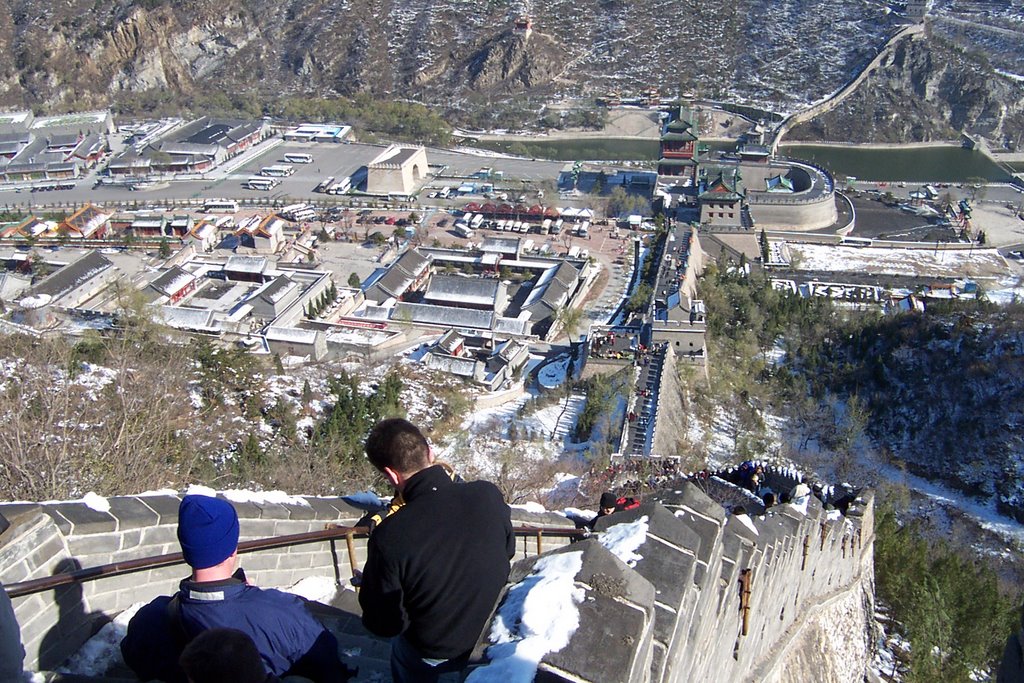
(965,430)
(927,90)
(82,52)
(464,55)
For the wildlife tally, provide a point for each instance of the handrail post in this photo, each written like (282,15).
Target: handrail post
(540,535)
(746,576)
(352,556)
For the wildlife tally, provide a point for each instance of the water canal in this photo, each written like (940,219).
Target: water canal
(947,163)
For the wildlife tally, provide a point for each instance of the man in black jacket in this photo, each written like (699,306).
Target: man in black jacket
(434,568)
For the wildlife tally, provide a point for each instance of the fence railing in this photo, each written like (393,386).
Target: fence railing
(332,533)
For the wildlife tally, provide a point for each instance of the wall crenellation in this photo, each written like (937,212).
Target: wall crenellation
(51,538)
(677,615)
(807,613)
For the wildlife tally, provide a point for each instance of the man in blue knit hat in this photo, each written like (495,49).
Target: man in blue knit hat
(290,641)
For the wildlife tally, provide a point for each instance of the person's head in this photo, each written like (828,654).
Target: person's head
(607,502)
(222,655)
(208,533)
(398,449)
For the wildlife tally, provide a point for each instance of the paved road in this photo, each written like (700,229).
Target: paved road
(328,160)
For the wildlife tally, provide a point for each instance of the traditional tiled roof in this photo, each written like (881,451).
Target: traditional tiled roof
(453,288)
(172,281)
(664,161)
(679,137)
(72,276)
(443,316)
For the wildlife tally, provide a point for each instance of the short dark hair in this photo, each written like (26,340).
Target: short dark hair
(397,444)
(222,655)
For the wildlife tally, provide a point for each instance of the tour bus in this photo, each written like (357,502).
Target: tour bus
(584,229)
(220,206)
(557,227)
(324,184)
(500,225)
(264,184)
(463,230)
(856,242)
(277,171)
(341,187)
(477,220)
(524,227)
(444,193)
(297,158)
(545,227)
(298,212)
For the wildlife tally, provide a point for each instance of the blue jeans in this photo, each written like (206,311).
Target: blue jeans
(409,666)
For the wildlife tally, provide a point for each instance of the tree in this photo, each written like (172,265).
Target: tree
(640,299)
(764,247)
(977,188)
(354,281)
(165,248)
(568,318)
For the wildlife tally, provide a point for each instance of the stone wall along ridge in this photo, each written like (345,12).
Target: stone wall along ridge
(784,596)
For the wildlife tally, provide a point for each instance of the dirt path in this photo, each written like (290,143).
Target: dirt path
(623,122)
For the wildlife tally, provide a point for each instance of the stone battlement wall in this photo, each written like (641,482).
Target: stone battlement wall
(801,581)
(53,538)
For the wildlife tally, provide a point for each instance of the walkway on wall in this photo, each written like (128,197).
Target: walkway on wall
(643,405)
(341,616)
(832,102)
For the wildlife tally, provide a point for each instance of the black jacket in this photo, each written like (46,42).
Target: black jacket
(435,567)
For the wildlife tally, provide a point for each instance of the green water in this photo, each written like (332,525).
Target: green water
(922,164)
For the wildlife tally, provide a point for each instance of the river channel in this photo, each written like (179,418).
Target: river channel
(948,163)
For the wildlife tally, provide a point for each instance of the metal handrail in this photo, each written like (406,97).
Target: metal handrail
(331,533)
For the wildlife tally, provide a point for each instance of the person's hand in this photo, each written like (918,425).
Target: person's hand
(357,578)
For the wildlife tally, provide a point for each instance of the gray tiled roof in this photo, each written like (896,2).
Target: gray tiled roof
(73,275)
(463,289)
(446,316)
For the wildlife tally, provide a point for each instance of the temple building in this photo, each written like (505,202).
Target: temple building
(678,151)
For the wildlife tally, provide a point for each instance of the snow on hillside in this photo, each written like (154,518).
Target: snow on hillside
(919,262)
(717,439)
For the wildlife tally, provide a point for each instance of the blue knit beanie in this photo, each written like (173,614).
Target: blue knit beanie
(207,530)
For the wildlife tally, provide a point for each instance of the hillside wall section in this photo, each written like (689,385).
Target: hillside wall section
(782,597)
(788,597)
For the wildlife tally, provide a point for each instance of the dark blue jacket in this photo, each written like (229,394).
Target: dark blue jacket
(288,638)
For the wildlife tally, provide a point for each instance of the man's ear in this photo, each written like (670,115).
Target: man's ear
(430,455)
(392,476)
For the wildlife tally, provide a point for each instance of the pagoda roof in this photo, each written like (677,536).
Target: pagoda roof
(684,136)
(679,126)
(723,188)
